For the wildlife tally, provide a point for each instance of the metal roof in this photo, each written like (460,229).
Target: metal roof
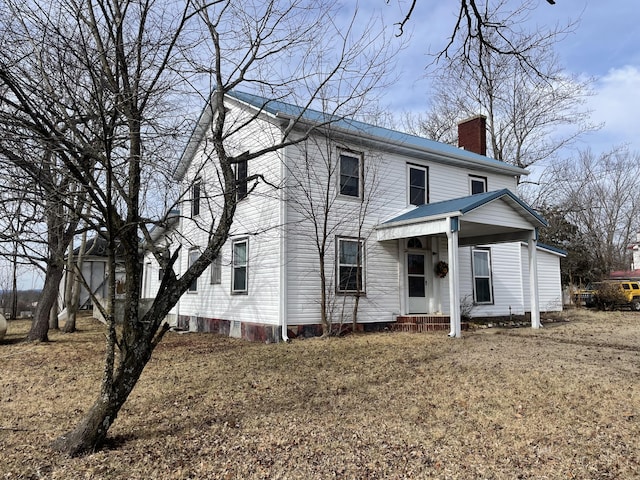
(282,109)
(460,206)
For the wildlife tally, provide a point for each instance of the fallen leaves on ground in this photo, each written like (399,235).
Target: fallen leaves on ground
(560,402)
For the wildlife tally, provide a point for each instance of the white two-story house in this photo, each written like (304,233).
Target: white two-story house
(411,229)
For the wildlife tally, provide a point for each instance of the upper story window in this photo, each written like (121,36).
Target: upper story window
(195,197)
(351,175)
(242,170)
(477,184)
(418,185)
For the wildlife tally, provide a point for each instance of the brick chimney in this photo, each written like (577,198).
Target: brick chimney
(472,134)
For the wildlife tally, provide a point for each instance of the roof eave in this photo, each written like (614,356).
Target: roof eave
(447,157)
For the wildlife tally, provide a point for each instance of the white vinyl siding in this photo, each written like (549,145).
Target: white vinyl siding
(258,213)
(549,282)
(497,213)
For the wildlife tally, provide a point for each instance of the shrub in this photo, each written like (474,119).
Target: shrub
(609,295)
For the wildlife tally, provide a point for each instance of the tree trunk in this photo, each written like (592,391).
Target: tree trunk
(135,348)
(40,327)
(53,316)
(90,434)
(73,287)
(14,285)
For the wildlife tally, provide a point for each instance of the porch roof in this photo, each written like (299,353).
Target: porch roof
(490,217)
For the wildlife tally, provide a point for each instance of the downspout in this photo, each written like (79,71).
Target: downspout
(283,242)
(179,261)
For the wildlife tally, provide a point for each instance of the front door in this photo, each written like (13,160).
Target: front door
(417,282)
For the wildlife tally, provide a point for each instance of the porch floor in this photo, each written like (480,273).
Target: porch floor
(423,323)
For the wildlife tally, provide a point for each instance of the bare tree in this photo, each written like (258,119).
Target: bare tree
(21,214)
(74,282)
(597,195)
(126,61)
(322,215)
(534,109)
(477,29)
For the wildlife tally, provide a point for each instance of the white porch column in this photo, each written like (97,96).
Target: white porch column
(454,277)
(402,287)
(533,279)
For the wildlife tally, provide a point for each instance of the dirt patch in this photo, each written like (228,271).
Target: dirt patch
(560,402)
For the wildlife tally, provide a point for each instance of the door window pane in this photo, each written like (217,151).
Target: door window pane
(416,287)
(415,264)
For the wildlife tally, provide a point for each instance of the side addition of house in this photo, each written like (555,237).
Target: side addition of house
(356,224)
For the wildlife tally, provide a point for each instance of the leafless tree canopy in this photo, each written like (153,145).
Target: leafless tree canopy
(477,28)
(93,100)
(598,194)
(534,108)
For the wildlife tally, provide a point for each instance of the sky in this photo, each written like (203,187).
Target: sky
(604,46)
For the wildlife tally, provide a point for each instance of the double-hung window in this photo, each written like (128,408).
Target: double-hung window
(216,271)
(194,254)
(351,175)
(482,283)
(418,186)
(239,265)
(195,197)
(350,265)
(477,184)
(242,172)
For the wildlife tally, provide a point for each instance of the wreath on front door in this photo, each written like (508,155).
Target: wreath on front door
(442,268)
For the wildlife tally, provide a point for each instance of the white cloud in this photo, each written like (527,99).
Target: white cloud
(617,105)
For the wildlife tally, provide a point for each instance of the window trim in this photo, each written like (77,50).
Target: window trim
(245,265)
(359,156)
(196,195)
(193,287)
(478,178)
(363,269)
(425,170)
(486,251)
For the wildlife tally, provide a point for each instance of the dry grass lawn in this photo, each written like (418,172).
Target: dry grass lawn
(562,402)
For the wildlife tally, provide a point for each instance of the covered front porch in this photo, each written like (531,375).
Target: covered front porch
(429,237)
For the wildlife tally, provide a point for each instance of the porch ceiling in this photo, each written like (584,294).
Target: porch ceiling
(491,217)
